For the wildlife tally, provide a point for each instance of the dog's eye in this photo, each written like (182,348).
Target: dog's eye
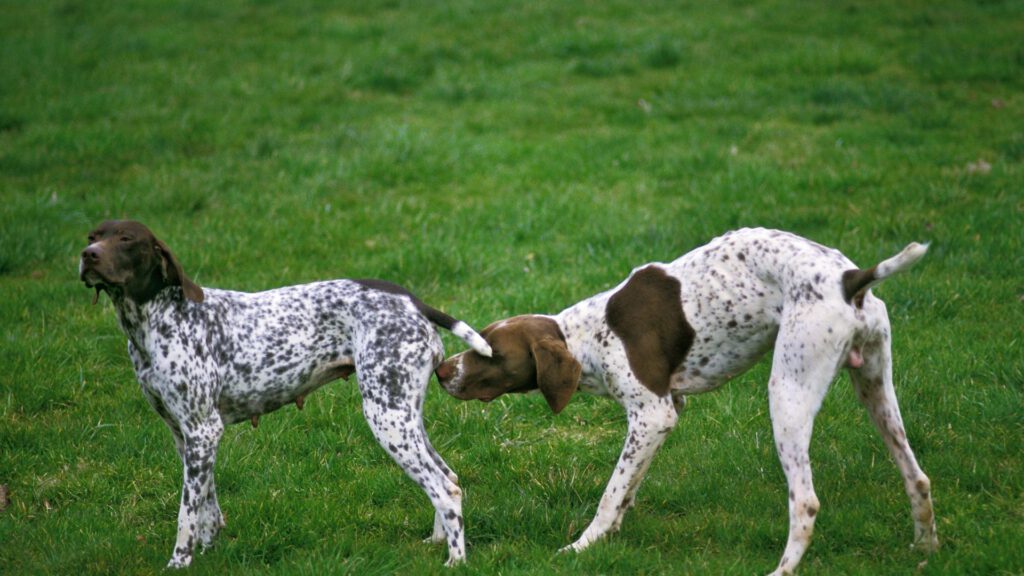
(92,238)
(126,238)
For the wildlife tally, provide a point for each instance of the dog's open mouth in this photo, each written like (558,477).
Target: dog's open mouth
(92,279)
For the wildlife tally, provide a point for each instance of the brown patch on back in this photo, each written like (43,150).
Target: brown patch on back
(647,315)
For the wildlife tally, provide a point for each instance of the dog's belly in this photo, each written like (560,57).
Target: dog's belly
(698,376)
(721,354)
(694,379)
(246,398)
(735,316)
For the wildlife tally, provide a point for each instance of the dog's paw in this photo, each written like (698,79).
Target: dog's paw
(928,545)
(454,561)
(571,548)
(178,562)
(209,531)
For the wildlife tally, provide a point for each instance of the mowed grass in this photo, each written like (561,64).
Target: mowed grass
(502,158)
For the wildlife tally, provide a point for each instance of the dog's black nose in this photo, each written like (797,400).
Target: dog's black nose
(91,254)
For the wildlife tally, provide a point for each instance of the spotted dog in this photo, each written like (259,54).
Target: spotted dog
(671,330)
(206,358)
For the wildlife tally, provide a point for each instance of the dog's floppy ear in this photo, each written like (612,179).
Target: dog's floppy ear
(558,373)
(175,276)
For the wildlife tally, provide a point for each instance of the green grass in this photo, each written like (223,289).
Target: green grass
(502,158)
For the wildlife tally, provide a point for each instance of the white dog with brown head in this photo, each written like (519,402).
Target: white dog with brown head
(671,330)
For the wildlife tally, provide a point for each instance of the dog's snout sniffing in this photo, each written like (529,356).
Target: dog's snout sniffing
(448,376)
(443,372)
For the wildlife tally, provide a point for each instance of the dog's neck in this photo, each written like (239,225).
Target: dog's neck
(584,330)
(135,317)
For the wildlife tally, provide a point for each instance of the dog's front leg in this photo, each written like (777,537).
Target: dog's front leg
(199,455)
(211,520)
(650,420)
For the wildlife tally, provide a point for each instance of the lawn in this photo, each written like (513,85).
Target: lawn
(501,158)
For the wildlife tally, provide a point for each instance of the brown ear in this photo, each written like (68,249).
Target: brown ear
(558,373)
(175,276)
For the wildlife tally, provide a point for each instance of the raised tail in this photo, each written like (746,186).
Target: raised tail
(453,325)
(468,335)
(857,282)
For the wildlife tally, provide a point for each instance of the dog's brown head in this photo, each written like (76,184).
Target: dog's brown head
(529,354)
(126,260)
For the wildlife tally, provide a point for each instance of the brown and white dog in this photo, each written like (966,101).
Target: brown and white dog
(687,327)
(206,358)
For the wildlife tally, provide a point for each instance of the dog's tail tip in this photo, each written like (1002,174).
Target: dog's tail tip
(471,337)
(902,261)
(856,282)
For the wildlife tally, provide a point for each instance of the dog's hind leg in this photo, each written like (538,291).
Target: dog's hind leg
(803,367)
(395,417)
(438,535)
(873,384)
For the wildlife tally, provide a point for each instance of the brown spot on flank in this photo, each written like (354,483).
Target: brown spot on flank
(647,315)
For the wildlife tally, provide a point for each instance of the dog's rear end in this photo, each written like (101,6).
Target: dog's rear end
(805,362)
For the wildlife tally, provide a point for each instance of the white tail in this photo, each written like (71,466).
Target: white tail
(856,282)
(900,262)
(470,336)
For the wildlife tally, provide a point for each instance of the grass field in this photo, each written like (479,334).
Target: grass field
(502,158)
